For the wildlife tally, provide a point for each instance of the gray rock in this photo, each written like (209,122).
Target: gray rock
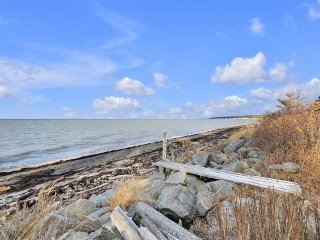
(215,165)
(110,232)
(256,154)
(189,163)
(97,214)
(205,201)
(194,183)
(274,168)
(252,172)
(177,178)
(74,235)
(219,158)
(233,145)
(155,187)
(178,202)
(290,167)
(201,158)
(254,162)
(243,151)
(238,167)
(157,175)
(81,207)
(105,218)
(103,199)
(220,187)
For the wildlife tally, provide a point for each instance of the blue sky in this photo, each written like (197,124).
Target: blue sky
(155,59)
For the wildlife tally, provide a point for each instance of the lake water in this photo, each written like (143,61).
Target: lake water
(35,142)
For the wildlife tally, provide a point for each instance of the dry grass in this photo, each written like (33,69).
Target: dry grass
(246,132)
(267,216)
(293,135)
(23,223)
(129,192)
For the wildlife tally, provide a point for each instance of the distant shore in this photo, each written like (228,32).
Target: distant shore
(25,182)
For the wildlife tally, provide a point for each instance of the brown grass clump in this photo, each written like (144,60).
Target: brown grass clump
(245,132)
(23,223)
(293,135)
(129,192)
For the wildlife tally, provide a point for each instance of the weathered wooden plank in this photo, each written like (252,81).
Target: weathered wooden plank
(151,226)
(128,229)
(278,185)
(164,147)
(169,228)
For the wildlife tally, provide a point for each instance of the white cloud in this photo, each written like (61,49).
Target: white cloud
(241,70)
(314,13)
(112,103)
(235,101)
(256,26)
(160,79)
(263,93)
(68,112)
(279,70)
(175,110)
(133,87)
(4,91)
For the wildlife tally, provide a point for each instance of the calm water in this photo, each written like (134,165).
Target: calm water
(33,142)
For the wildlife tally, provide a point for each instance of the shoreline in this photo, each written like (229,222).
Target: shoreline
(115,164)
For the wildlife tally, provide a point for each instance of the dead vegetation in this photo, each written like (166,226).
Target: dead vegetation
(129,192)
(292,134)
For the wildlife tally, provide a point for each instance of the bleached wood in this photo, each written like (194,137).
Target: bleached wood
(164,147)
(278,185)
(151,226)
(127,228)
(169,228)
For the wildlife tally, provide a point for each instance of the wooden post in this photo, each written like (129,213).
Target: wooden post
(164,147)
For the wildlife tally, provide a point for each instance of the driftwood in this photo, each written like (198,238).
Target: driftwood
(278,185)
(168,228)
(146,234)
(128,229)
(164,147)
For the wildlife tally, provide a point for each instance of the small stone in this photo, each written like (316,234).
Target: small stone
(290,167)
(177,178)
(201,159)
(251,172)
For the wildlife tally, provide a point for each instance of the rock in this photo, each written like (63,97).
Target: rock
(155,187)
(256,154)
(221,187)
(110,232)
(201,159)
(194,183)
(219,158)
(178,202)
(215,165)
(72,235)
(205,201)
(97,214)
(290,167)
(243,151)
(189,163)
(103,199)
(177,178)
(238,167)
(79,208)
(105,218)
(233,145)
(253,162)
(251,172)
(157,175)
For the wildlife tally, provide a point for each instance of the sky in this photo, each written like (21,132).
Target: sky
(155,59)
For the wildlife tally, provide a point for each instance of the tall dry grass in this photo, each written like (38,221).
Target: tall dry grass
(23,223)
(292,134)
(129,192)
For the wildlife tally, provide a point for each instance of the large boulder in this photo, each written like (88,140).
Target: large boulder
(233,145)
(155,187)
(79,208)
(201,158)
(238,167)
(102,200)
(195,184)
(220,187)
(206,201)
(178,202)
(177,178)
(220,158)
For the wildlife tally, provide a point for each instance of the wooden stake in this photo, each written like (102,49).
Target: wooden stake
(164,147)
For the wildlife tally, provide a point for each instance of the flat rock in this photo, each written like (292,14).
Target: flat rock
(238,167)
(252,172)
(201,158)
(79,208)
(233,145)
(177,202)
(177,178)
(219,158)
